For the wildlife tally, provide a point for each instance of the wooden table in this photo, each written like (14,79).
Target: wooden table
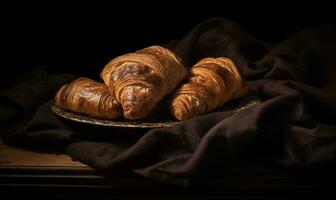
(57,176)
(30,174)
(18,157)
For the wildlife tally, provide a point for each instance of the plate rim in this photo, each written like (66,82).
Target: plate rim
(106,122)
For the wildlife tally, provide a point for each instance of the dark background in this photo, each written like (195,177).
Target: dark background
(80,39)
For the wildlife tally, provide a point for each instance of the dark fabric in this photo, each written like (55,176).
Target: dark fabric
(294,126)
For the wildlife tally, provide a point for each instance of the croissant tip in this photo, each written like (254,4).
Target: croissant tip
(127,112)
(178,113)
(131,113)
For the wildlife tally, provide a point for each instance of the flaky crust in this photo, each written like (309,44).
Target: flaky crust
(141,79)
(211,83)
(88,97)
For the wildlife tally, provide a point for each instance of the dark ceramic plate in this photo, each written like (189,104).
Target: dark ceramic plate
(152,122)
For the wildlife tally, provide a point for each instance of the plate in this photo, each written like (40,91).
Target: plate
(117,123)
(233,106)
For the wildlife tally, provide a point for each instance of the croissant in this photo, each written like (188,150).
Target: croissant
(88,97)
(210,83)
(141,79)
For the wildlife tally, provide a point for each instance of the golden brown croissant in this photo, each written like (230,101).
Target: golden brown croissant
(141,79)
(88,97)
(211,82)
